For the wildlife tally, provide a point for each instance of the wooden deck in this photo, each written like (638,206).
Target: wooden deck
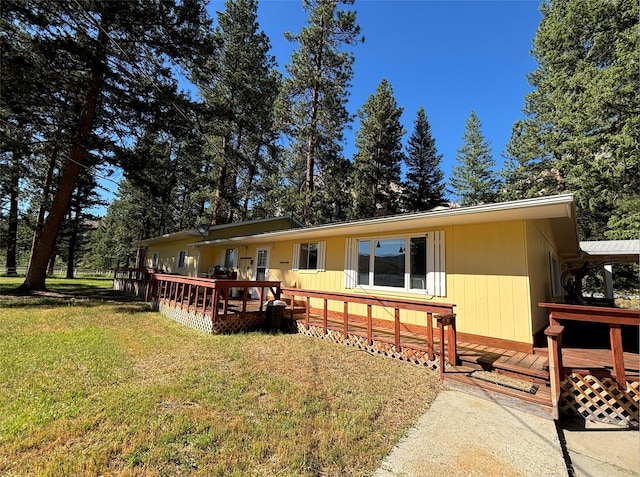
(529,368)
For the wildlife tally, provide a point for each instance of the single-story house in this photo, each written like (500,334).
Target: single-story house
(495,262)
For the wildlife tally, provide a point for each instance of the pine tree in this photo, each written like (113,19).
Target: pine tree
(528,172)
(376,175)
(312,106)
(105,65)
(584,111)
(424,188)
(239,88)
(473,181)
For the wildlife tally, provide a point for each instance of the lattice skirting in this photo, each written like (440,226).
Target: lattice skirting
(377,348)
(231,324)
(600,399)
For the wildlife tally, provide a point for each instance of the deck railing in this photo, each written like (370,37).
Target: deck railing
(136,281)
(210,296)
(615,318)
(440,313)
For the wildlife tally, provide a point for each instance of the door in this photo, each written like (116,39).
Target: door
(262,268)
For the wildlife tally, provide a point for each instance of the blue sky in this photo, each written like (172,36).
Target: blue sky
(449,56)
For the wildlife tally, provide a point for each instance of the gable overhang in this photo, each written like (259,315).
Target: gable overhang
(560,209)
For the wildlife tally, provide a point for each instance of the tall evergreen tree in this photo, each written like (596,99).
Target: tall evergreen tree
(105,63)
(239,87)
(376,175)
(312,105)
(424,188)
(529,171)
(472,180)
(583,116)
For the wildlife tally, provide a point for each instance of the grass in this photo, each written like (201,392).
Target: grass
(90,384)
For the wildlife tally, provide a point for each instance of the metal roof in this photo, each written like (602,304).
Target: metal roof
(612,250)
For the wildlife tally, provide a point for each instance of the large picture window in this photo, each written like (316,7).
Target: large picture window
(407,263)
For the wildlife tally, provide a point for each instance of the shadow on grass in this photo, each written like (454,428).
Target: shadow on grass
(71,293)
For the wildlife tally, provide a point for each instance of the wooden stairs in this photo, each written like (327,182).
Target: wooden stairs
(524,367)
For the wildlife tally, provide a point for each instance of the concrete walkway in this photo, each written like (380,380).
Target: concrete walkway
(463,435)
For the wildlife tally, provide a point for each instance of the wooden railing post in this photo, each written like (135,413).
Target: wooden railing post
(556,371)
(307,313)
(324,316)
(452,347)
(615,336)
(430,349)
(345,330)
(447,320)
(396,330)
(369,325)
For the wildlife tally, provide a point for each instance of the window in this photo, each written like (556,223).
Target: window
(407,263)
(556,282)
(155,259)
(229,258)
(389,263)
(182,259)
(309,256)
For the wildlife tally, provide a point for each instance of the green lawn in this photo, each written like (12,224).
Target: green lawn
(90,384)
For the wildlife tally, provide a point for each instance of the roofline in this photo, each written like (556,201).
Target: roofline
(195,232)
(461,212)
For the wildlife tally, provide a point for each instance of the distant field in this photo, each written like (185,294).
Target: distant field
(92,384)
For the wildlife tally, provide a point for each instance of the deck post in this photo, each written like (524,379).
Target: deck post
(430,349)
(615,336)
(307,313)
(447,320)
(324,316)
(554,342)
(442,363)
(369,325)
(397,329)
(452,348)
(216,303)
(346,319)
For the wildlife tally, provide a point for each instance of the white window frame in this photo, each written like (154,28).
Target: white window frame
(435,264)
(322,253)
(155,260)
(182,256)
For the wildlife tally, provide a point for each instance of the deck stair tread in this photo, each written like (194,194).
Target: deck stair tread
(461,373)
(539,403)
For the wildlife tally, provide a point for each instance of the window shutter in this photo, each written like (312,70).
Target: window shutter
(322,253)
(350,261)
(296,256)
(436,279)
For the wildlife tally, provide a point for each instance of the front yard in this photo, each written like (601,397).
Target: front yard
(90,384)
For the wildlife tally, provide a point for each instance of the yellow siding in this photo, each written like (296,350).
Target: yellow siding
(486,270)
(169,257)
(539,245)
(487,279)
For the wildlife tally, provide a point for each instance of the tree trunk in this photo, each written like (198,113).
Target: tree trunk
(51,264)
(44,242)
(222,179)
(12,239)
(73,238)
